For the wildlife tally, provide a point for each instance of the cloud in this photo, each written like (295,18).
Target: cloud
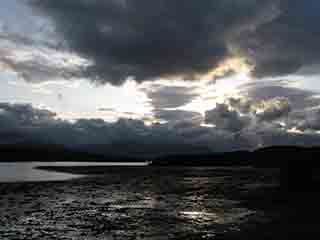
(306,120)
(225,118)
(299,98)
(168,38)
(37,69)
(29,46)
(170,96)
(25,124)
(112,41)
(253,117)
(178,116)
(242,105)
(23,114)
(286,43)
(273,109)
(36,61)
(20,123)
(264,110)
(278,121)
(177,38)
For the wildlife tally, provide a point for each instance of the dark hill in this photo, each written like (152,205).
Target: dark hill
(273,157)
(52,153)
(299,166)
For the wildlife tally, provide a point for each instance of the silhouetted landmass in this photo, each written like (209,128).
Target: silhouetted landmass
(270,157)
(237,158)
(53,153)
(299,167)
(145,150)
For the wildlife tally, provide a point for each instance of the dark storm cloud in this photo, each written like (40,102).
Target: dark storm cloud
(25,124)
(148,39)
(20,114)
(286,43)
(21,123)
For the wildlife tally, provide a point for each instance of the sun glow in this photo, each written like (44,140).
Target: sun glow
(229,66)
(214,87)
(216,91)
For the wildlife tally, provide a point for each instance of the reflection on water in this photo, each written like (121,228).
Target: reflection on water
(26,171)
(201,216)
(128,203)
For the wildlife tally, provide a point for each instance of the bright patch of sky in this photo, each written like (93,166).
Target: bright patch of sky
(76,99)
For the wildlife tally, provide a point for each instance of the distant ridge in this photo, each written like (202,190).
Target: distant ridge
(53,153)
(276,156)
(299,166)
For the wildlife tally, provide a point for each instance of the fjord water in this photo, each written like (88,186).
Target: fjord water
(139,203)
(27,171)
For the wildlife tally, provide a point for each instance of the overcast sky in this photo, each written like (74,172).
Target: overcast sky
(151,77)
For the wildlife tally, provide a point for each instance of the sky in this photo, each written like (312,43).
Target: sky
(139,77)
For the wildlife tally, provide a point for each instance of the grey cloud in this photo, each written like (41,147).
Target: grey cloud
(264,110)
(279,117)
(225,118)
(291,120)
(23,114)
(172,37)
(299,98)
(37,61)
(306,120)
(309,70)
(286,43)
(273,109)
(29,46)
(178,116)
(273,137)
(25,124)
(36,70)
(242,105)
(170,96)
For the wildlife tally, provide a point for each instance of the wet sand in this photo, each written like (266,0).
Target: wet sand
(151,203)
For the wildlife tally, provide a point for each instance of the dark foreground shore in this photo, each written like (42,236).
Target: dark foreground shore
(158,203)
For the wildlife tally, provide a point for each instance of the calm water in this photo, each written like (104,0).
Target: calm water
(21,171)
